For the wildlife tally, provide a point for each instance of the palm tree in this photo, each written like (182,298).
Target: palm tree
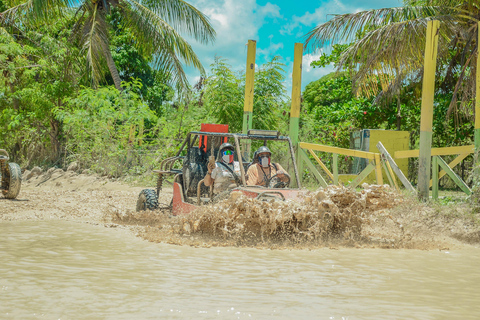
(156,25)
(388,46)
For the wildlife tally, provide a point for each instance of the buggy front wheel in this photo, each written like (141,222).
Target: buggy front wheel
(147,200)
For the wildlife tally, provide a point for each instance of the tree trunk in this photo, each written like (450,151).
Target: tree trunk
(399,115)
(54,138)
(112,68)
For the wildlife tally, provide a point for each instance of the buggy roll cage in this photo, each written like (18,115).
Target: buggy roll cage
(263,135)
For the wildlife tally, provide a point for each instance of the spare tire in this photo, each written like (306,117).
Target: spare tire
(147,200)
(12,181)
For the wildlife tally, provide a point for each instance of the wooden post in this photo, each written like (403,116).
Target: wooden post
(435,177)
(476,176)
(296,93)
(248,101)
(296,99)
(426,120)
(378,169)
(335,168)
(394,167)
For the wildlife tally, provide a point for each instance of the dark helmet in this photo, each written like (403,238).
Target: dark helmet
(262,149)
(224,146)
(227,146)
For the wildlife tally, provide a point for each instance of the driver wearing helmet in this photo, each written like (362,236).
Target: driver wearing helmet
(260,172)
(223,173)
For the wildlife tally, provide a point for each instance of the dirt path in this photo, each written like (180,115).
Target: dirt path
(390,222)
(67,195)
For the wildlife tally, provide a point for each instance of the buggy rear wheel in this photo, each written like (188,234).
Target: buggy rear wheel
(11,181)
(147,200)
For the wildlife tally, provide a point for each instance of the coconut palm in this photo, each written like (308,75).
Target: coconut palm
(156,25)
(388,46)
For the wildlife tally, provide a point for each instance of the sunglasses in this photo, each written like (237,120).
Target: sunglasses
(228,152)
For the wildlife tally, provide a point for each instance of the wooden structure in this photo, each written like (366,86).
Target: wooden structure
(374,163)
(248,101)
(462,152)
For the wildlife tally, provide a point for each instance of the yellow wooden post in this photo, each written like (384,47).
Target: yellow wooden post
(296,93)
(426,119)
(296,99)
(248,102)
(378,169)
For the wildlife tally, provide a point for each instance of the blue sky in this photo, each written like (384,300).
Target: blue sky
(276,25)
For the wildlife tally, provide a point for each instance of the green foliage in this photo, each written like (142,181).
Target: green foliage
(98,125)
(334,57)
(224,95)
(155,24)
(131,63)
(39,72)
(269,98)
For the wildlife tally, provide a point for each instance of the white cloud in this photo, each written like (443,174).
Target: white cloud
(235,23)
(238,21)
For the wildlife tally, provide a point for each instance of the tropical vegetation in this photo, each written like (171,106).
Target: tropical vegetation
(103,84)
(379,59)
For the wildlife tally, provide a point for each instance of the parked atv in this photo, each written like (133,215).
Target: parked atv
(10,175)
(188,172)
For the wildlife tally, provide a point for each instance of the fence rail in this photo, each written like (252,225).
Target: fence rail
(373,165)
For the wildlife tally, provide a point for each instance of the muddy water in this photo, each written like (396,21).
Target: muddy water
(67,270)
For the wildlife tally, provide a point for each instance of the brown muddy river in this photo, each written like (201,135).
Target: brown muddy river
(71,270)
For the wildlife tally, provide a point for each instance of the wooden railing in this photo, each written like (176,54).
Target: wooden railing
(373,165)
(462,152)
(377,160)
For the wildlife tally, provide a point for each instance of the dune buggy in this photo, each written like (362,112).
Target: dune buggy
(10,175)
(188,172)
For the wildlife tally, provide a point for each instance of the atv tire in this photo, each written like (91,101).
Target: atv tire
(11,181)
(147,200)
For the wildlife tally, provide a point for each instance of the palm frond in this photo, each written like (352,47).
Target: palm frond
(163,41)
(345,27)
(391,42)
(95,41)
(32,12)
(181,15)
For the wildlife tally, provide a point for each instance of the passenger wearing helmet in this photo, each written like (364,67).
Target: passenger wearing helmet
(224,172)
(260,172)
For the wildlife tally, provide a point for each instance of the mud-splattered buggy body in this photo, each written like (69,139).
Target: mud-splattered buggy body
(10,176)
(189,170)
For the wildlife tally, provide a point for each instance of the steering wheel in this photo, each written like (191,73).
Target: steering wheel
(278,182)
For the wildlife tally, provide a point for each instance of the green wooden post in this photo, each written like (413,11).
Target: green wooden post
(304,159)
(335,169)
(362,175)
(248,102)
(458,181)
(435,177)
(426,120)
(296,97)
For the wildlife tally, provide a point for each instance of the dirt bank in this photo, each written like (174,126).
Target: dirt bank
(336,217)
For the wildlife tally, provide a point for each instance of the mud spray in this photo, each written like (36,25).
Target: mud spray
(332,217)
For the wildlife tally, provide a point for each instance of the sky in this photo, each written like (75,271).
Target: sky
(276,25)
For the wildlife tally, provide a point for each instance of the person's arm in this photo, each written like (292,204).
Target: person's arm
(280,169)
(208,180)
